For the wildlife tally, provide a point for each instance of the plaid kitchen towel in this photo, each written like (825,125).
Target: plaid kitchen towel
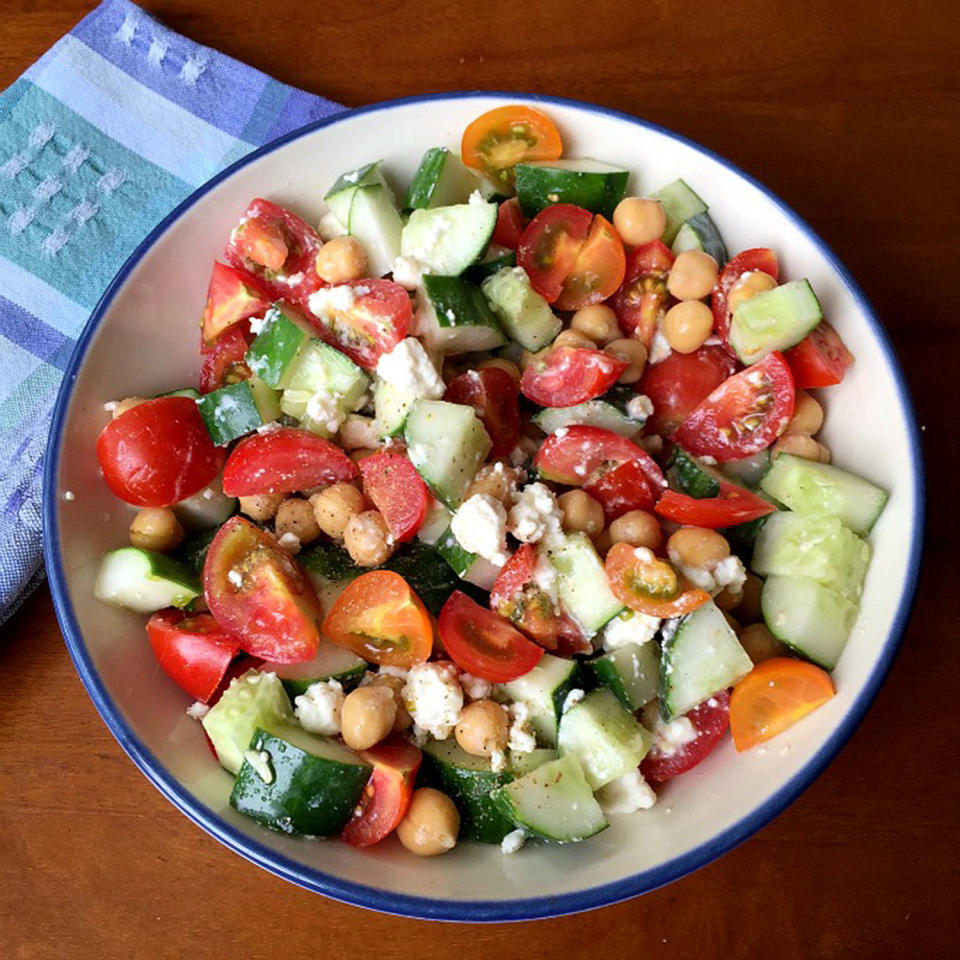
(99,140)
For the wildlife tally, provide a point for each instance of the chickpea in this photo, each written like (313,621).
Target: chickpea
(638,528)
(728,598)
(800,445)
(597,322)
(687,325)
(693,275)
(261,506)
(334,506)
(500,363)
(341,259)
(357,455)
(526,358)
(296,516)
(807,415)
(483,728)
(581,513)
(573,338)
(367,716)
(639,220)
(697,547)
(156,528)
(631,351)
(749,609)
(749,285)
(496,479)
(761,644)
(124,405)
(367,539)
(602,542)
(431,824)
(403,720)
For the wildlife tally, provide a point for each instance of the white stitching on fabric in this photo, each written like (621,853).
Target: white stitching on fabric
(75,157)
(193,67)
(85,210)
(41,134)
(16,164)
(157,51)
(43,192)
(39,137)
(127,30)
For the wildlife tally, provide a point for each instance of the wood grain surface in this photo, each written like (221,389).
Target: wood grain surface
(849,112)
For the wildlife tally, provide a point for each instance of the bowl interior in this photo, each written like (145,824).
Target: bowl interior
(145,342)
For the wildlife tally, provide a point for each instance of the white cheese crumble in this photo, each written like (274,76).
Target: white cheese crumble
(659,348)
(359,433)
(669,737)
(324,408)
(476,197)
(69,495)
(197,710)
(571,700)
(629,627)
(408,368)
(111,405)
(535,515)
(330,227)
(639,407)
(257,324)
(728,572)
(260,761)
(433,699)
(523,451)
(270,427)
(408,272)
(522,738)
(513,841)
(318,710)
(328,301)
(480,526)
(498,760)
(290,542)
(476,688)
(626,794)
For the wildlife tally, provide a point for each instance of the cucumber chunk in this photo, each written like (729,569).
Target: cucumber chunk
(466,565)
(193,552)
(375,222)
(553,802)
(273,353)
(680,203)
(208,508)
(774,320)
(523,763)
(544,690)
(699,659)
(340,196)
(254,700)
(329,663)
(237,409)
(436,523)
(604,736)
(591,184)
(312,786)
(582,583)
(701,233)
(391,406)
(328,562)
(446,240)
(808,617)
(632,672)
(144,581)
(749,470)
(447,443)
(814,488)
(489,265)
(454,317)
(441,180)
(430,576)
(590,413)
(524,315)
(693,477)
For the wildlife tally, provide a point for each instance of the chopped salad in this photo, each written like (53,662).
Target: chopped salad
(499,502)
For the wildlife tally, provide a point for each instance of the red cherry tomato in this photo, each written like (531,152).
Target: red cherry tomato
(388,792)
(734,505)
(158,453)
(599,268)
(566,376)
(224,361)
(194,652)
(503,137)
(622,488)
(759,258)
(392,483)
(744,415)
(232,297)
(550,246)
(365,318)
(483,643)
(650,584)
(258,594)
(284,461)
(266,233)
(677,384)
(493,394)
(574,455)
(640,303)
(820,359)
(710,720)
(510,224)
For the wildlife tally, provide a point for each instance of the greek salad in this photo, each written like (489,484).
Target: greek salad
(497,504)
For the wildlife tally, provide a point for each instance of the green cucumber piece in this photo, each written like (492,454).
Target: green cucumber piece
(749,470)
(466,565)
(446,240)
(774,320)
(429,574)
(604,737)
(701,233)
(544,690)
(442,179)
(391,406)
(274,352)
(488,266)
(315,783)
(590,413)
(680,203)
(693,477)
(375,222)
(193,552)
(329,563)
(813,488)
(591,184)
(447,443)
(454,317)
(144,581)
(582,583)
(524,315)
(340,195)
(520,764)
(237,409)
(330,662)
(435,524)
(207,508)
(632,672)
(553,802)
(254,700)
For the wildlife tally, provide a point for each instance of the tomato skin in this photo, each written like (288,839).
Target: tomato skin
(550,246)
(650,584)
(158,453)
(258,594)
(284,461)
(387,794)
(820,359)
(493,394)
(711,724)
(392,483)
(566,376)
(744,415)
(510,224)
(224,360)
(193,651)
(598,270)
(640,302)
(499,139)
(621,489)
(757,258)
(734,505)
(483,643)
(376,321)
(679,383)
(232,297)
(574,455)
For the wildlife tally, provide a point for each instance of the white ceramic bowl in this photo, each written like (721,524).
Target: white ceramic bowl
(142,339)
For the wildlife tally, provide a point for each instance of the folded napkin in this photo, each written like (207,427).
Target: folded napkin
(99,140)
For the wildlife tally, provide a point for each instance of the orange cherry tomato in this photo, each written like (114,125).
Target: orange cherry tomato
(499,139)
(649,584)
(774,696)
(599,268)
(380,618)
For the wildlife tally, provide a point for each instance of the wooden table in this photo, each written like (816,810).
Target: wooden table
(849,112)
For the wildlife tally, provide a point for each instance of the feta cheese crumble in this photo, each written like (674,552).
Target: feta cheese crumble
(522,738)
(629,627)
(535,515)
(408,272)
(513,841)
(324,408)
(318,710)
(330,227)
(433,699)
(290,542)
(257,324)
(626,794)
(480,526)
(640,407)
(728,572)
(328,301)
(571,700)
(669,737)
(408,368)
(68,495)
(197,710)
(476,688)
(659,348)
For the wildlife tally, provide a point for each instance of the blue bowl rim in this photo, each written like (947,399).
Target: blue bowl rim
(470,911)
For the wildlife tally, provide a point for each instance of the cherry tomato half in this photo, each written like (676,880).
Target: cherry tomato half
(501,138)
(566,376)
(493,394)
(650,584)
(510,224)
(483,643)
(224,361)
(734,505)
(759,258)
(640,303)
(258,594)
(710,721)
(599,268)
(158,453)
(550,246)
(283,461)
(622,488)
(820,359)
(573,455)
(232,297)
(395,488)
(744,415)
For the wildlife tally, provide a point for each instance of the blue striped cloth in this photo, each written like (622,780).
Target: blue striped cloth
(99,140)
